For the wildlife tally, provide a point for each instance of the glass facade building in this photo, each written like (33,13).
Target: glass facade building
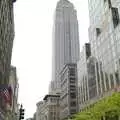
(104,34)
(99,75)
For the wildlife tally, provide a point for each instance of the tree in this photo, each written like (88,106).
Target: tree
(108,107)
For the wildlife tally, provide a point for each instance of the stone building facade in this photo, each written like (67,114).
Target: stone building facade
(48,109)
(6,38)
(68,97)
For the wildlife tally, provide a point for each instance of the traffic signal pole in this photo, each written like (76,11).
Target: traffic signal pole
(21,111)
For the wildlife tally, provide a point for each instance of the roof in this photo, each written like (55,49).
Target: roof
(47,96)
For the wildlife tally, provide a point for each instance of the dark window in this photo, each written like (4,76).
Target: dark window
(73,104)
(109,3)
(72,86)
(117,78)
(98,31)
(107,81)
(73,95)
(72,71)
(72,80)
(93,92)
(112,80)
(115,16)
(102,79)
(119,62)
(105,1)
(88,50)
(72,111)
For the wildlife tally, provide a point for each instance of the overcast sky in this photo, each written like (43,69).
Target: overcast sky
(32,52)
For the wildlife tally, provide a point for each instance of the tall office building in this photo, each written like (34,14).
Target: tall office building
(6,38)
(104,33)
(65,39)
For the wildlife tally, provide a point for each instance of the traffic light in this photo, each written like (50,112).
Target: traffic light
(21,110)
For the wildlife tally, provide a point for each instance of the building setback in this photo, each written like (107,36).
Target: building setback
(6,38)
(65,40)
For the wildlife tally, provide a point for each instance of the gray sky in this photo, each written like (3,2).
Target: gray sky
(32,52)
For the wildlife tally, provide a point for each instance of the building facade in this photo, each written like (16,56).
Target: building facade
(48,109)
(13,82)
(83,76)
(68,97)
(65,40)
(103,66)
(6,44)
(99,74)
(105,41)
(6,38)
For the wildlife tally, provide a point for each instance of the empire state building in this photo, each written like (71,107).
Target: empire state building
(65,39)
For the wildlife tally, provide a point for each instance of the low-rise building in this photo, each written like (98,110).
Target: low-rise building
(48,109)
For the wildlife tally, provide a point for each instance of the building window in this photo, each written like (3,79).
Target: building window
(109,2)
(107,81)
(72,71)
(73,95)
(105,1)
(72,111)
(112,80)
(117,77)
(73,104)
(98,31)
(115,16)
(119,62)
(72,80)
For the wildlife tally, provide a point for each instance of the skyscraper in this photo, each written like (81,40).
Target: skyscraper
(6,38)
(65,39)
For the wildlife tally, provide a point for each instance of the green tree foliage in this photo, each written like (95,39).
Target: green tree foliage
(108,107)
